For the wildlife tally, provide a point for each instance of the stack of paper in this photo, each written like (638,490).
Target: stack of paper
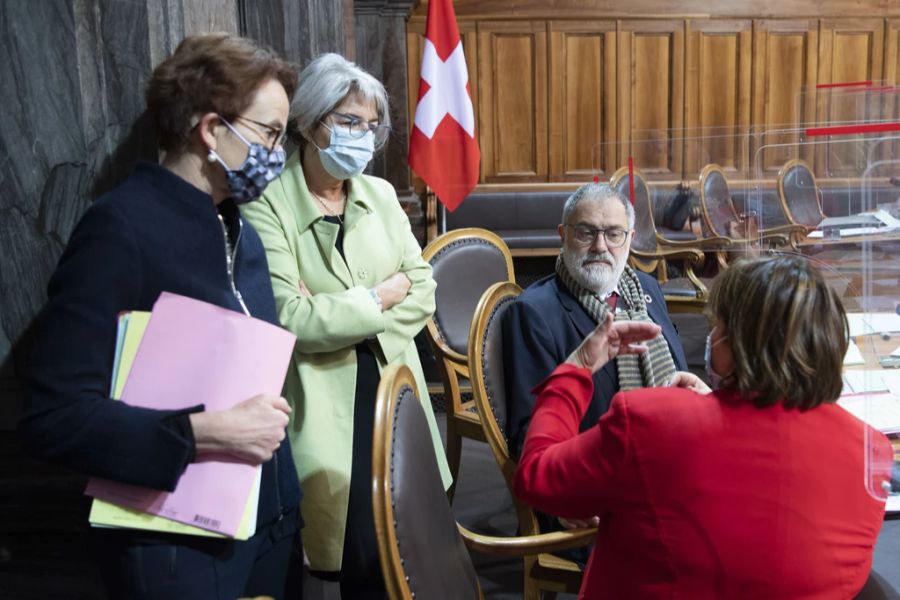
(188,352)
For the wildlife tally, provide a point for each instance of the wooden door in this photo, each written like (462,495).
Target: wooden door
(651,96)
(717,96)
(512,80)
(582,116)
(849,50)
(785,59)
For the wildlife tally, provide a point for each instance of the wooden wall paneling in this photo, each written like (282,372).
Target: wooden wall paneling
(891,105)
(717,95)
(512,80)
(415,45)
(651,96)
(785,66)
(582,115)
(849,50)
(630,9)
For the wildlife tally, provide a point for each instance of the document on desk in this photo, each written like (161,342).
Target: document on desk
(881,410)
(854,355)
(873,323)
(193,352)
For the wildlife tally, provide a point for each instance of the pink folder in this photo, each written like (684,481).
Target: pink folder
(196,353)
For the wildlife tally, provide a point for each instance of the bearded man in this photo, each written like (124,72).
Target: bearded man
(550,319)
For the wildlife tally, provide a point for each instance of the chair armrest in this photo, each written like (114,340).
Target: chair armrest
(527,544)
(690,254)
(711,242)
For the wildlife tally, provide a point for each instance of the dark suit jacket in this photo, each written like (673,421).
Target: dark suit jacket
(542,328)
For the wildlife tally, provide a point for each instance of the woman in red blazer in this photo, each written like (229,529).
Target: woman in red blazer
(764,488)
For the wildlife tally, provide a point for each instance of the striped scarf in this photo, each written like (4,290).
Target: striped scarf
(652,368)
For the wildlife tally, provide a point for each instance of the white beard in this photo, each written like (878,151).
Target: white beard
(598,278)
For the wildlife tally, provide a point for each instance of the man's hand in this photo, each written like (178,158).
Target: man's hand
(250,431)
(690,381)
(393,290)
(610,339)
(579,523)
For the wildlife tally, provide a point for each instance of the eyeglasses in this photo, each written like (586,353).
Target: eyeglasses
(359,127)
(274,137)
(587,236)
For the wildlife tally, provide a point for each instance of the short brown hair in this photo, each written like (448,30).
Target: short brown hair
(215,72)
(786,328)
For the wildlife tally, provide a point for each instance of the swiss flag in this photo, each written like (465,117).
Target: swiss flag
(443,149)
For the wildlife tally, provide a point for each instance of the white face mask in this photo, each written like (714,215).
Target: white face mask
(715,380)
(346,156)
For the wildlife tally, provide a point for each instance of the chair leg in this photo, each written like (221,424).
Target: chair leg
(454,453)
(532,591)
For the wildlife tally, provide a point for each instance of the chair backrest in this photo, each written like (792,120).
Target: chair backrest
(716,205)
(486,367)
(644,226)
(798,191)
(465,262)
(420,549)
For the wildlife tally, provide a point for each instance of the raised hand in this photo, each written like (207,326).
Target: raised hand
(610,339)
(690,381)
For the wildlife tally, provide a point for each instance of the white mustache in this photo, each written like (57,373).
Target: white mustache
(598,256)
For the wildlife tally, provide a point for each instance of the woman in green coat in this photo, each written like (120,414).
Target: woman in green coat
(351,284)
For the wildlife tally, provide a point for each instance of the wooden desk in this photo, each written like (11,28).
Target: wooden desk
(893,236)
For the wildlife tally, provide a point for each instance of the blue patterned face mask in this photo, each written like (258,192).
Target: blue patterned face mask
(261,166)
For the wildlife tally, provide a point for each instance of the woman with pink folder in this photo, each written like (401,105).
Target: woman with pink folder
(219,106)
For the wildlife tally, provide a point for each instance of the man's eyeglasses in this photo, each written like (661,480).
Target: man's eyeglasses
(359,127)
(587,236)
(274,137)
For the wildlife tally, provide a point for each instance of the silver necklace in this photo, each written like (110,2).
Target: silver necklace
(325,206)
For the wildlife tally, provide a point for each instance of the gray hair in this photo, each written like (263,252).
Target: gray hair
(596,192)
(324,84)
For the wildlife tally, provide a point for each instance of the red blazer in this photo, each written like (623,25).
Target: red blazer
(707,496)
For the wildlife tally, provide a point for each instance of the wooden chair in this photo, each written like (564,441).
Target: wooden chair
(800,196)
(720,217)
(465,263)
(683,294)
(542,571)
(421,547)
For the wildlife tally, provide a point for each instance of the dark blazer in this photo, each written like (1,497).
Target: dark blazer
(154,233)
(542,328)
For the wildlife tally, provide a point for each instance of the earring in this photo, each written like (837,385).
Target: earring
(211,156)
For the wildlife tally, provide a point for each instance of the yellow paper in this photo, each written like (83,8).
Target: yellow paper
(106,514)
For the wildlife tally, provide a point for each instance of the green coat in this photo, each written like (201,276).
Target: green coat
(321,381)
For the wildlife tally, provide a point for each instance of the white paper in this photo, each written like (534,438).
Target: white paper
(874,322)
(896,352)
(853,356)
(880,410)
(893,503)
(865,382)
(887,218)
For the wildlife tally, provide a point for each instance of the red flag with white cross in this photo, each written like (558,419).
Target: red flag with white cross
(443,149)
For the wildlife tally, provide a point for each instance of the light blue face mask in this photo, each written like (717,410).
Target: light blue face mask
(346,156)
(715,380)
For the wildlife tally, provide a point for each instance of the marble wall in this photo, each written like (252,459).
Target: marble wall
(71,126)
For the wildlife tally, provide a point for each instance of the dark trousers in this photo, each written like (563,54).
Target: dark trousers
(360,576)
(159,566)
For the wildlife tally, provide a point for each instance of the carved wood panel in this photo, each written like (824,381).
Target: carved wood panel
(512,80)
(651,96)
(582,100)
(849,50)
(717,97)
(785,59)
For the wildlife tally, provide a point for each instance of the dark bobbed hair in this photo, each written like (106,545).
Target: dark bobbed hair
(786,328)
(214,72)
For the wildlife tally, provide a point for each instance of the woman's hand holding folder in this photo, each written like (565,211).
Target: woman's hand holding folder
(250,431)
